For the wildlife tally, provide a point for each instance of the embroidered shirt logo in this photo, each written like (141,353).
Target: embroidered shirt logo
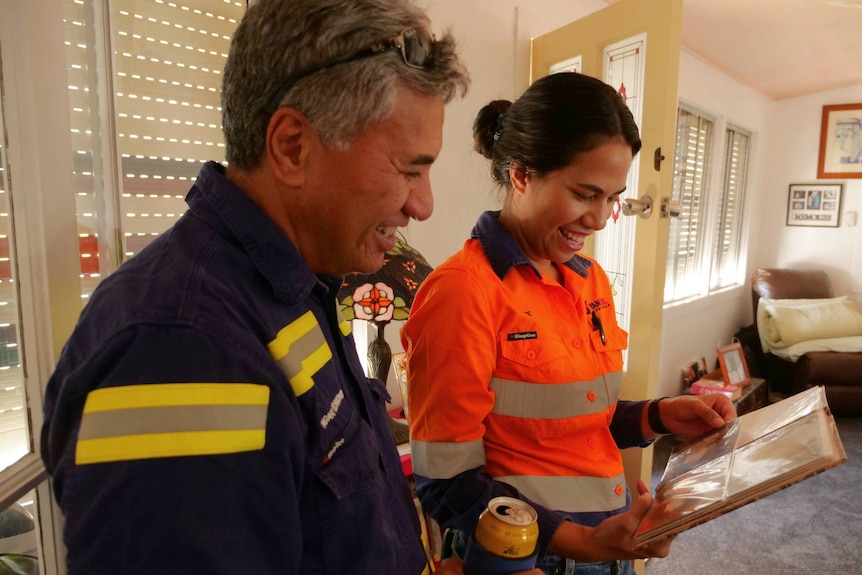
(333,409)
(522,335)
(596,305)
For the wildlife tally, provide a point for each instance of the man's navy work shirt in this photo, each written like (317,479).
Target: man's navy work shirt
(209,414)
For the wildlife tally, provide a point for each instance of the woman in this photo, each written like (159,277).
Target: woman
(514,354)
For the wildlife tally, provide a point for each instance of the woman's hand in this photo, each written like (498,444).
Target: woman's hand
(617,534)
(612,539)
(694,415)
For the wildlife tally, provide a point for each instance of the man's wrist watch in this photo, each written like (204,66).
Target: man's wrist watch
(654,419)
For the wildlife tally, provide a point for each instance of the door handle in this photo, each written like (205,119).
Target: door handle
(641,207)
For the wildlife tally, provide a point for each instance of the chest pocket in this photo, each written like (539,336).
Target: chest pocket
(529,360)
(346,459)
(610,353)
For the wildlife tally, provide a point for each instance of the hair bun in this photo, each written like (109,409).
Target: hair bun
(486,127)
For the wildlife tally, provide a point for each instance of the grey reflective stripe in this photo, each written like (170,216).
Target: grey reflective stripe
(172,419)
(571,493)
(300,350)
(555,401)
(446,459)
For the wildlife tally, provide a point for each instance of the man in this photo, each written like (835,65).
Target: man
(209,413)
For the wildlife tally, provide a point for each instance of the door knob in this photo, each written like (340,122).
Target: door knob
(641,207)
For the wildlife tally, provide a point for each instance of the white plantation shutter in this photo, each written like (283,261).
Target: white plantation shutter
(728,233)
(706,241)
(685,250)
(144,85)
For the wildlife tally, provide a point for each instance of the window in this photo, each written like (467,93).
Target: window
(727,258)
(142,87)
(138,152)
(705,250)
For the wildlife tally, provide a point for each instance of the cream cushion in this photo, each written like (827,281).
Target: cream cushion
(785,322)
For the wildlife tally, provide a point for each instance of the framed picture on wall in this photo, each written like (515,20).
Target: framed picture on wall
(815,205)
(841,142)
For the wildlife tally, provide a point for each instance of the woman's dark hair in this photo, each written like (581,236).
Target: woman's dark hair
(557,118)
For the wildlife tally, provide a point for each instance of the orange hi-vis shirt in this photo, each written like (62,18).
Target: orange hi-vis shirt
(510,373)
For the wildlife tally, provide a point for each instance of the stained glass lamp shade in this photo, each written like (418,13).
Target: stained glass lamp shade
(381,297)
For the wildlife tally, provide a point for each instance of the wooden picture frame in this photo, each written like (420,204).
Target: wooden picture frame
(840,142)
(734,370)
(814,205)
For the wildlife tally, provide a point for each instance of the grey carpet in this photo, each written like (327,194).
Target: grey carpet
(812,527)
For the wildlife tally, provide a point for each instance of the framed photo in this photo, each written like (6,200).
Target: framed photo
(816,205)
(841,142)
(734,370)
(693,371)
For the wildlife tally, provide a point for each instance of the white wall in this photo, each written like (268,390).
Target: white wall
(697,329)
(494,39)
(792,159)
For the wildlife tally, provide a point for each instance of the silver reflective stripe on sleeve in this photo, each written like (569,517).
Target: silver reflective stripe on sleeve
(572,493)
(446,459)
(555,401)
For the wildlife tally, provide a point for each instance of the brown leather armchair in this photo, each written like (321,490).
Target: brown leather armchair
(839,372)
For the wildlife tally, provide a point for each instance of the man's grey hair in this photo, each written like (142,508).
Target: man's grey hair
(279,38)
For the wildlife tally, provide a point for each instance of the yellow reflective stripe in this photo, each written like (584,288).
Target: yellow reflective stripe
(290,334)
(171,420)
(427,570)
(300,349)
(151,445)
(343,325)
(171,394)
(302,381)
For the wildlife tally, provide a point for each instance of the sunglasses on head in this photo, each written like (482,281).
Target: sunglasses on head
(414,45)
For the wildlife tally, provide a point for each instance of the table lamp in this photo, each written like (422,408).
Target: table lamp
(379,298)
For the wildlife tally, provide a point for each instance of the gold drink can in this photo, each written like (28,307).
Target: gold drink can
(508,528)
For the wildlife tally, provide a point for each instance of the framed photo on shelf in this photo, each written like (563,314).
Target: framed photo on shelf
(734,370)
(815,205)
(840,142)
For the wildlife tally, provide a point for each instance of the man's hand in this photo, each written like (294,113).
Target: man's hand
(453,566)
(694,415)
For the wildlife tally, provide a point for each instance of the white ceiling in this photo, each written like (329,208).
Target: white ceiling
(781,48)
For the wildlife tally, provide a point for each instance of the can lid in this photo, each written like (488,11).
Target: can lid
(512,511)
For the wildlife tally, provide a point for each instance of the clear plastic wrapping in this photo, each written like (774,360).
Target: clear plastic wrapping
(751,457)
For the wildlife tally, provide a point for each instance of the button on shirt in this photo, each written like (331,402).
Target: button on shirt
(209,414)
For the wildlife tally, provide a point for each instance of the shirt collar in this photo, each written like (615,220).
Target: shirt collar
(504,253)
(220,203)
